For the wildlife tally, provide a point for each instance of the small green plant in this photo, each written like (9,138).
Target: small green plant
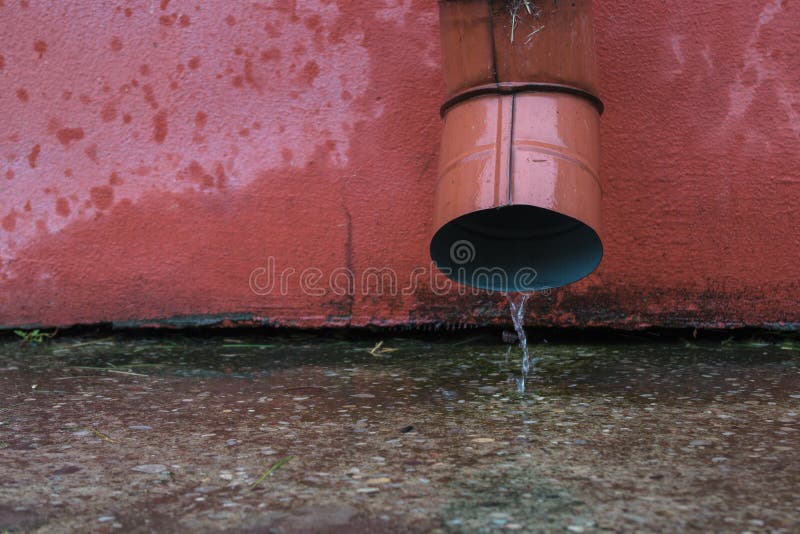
(34,337)
(277,465)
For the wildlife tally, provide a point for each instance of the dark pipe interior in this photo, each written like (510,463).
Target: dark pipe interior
(516,248)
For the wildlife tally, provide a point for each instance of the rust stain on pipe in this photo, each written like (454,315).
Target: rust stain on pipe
(519,190)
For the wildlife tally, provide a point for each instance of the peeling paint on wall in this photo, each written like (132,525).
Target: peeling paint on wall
(113,102)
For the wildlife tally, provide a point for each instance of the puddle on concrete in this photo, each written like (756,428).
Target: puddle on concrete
(171,433)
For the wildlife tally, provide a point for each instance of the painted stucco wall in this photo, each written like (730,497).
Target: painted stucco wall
(158,158)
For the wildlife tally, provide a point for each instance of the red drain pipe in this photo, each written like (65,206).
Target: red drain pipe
(518,194)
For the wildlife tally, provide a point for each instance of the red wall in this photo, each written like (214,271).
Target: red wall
(154,153)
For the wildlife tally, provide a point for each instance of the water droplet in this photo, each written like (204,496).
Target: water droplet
(517,305)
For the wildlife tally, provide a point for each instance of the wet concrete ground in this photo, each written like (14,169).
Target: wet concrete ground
(175,434)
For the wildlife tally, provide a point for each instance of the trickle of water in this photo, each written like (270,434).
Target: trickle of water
(518,318)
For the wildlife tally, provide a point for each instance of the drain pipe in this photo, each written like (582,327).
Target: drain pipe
(518,193)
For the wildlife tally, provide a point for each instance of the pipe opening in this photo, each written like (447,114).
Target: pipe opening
(516,248)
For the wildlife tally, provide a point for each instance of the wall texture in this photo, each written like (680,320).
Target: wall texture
(158,158)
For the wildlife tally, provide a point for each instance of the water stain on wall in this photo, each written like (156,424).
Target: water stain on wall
(130,115)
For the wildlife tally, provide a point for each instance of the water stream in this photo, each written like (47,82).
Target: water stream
(517,304)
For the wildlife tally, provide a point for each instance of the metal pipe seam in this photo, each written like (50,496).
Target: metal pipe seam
(509,88)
